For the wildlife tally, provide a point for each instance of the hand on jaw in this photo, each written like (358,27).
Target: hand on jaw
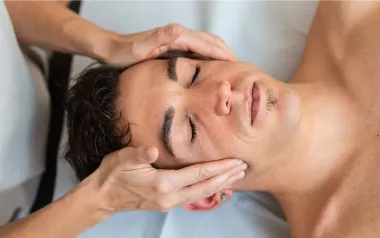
(125,181)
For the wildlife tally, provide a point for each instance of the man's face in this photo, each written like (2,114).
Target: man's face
(196,110)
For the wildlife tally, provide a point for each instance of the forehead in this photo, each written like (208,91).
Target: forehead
(144,93)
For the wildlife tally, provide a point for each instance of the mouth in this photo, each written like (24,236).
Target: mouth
(255,102)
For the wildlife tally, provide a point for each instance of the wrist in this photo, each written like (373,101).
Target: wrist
(89,40)
(101,43)
(89,201)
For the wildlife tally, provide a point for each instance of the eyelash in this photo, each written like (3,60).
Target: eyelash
(193,131)
(196,73)
(192,125)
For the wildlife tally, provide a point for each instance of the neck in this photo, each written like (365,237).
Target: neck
(312,164)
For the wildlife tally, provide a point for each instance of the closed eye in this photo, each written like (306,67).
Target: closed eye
(196,73)
(193,131)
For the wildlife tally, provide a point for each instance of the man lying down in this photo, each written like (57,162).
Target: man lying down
(312,142)
(192,109)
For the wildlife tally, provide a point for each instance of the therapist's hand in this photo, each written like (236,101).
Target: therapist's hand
(124,50)
(126,181)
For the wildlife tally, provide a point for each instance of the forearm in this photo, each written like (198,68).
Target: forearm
(67,217)
(52,26)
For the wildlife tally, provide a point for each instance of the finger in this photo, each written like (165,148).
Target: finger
(213,39)
(159,37)
(147,155)
(207,40)
(225,49)
(159,51)
(207,188)
(196,173)
(203,47)
(135,156)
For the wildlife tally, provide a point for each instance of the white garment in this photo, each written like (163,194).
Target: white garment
(24,117)
(268,34)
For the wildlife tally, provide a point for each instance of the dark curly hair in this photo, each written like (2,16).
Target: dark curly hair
(95,126)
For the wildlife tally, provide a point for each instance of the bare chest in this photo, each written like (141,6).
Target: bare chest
(354,211)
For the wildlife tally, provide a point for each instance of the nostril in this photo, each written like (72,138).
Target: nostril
(228,102)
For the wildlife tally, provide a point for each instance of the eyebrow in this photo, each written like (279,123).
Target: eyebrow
(172,68)
(169,112)
(166,129)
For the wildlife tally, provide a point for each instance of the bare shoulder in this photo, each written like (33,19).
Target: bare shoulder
(358,229)
(344,16)
(354,209)
(342,33)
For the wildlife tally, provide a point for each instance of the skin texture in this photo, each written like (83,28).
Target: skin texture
(218,103)
(315,149)
(328,165)
(117,184)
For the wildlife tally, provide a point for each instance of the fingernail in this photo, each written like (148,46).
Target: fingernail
(236,162)
(239,176)
(244,166)
(172,30)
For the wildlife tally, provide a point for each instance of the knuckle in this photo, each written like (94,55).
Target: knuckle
(202,174)
(219,39)
(212,52)
(206,192)
(157,52)
(113,178)
(160,33)
(162,186)
(176,25)
(170,25)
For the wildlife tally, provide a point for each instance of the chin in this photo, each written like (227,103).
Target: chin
(281,107)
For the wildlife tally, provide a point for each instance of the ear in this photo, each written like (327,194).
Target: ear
(210,203)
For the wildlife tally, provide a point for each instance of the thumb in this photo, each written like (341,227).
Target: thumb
(145,155)
(135,156)
(161,36)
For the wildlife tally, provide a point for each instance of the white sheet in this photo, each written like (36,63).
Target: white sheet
(268,34)
(247,215)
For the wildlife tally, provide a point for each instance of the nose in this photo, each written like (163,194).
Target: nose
(223,94)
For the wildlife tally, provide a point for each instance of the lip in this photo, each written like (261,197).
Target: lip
(255,102)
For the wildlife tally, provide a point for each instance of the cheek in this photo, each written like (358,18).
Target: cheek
(220,142)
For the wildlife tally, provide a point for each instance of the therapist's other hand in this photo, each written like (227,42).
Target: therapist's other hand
(128,49)
(126,181)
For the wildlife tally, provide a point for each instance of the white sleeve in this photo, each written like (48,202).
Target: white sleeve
(24,113)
